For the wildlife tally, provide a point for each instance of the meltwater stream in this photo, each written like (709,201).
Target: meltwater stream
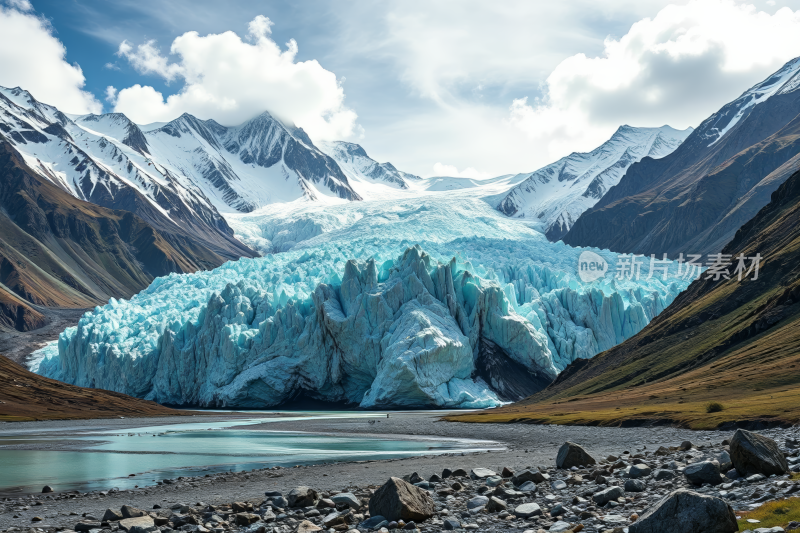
(190,449)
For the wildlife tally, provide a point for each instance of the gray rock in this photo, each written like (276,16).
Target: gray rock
(528,486)
(481,473)
(663,474)
(639,471)
(496,505)
(607,495)
(725,462)
(372,521)
(558,485)
(347,498)
(685,446)
(112,516)
(451,524)
(494,481)
(635,485)
(557,509)
(131,512)
(533,476)
(752,453)
(684,511)
(140,521)
(527,510)
(477,501)
(703,472)
(302,497)
(560,527)
(397,500)
(570,454)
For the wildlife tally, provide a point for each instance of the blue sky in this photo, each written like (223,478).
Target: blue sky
(471,87)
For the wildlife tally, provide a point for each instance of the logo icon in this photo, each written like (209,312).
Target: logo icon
(591,266)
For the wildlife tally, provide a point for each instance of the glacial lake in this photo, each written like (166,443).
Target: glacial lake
(154,453)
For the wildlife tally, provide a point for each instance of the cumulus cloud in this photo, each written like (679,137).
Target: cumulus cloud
(111,94)
(675,68)
(232,79)
(451,170)
(32,58)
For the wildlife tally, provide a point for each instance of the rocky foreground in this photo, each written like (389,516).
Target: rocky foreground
(684,488)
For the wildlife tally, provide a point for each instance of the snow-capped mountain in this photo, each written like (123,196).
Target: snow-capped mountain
(558,193)
(784,81)
(357,165)
(241,168)
(696,198)
(184,173)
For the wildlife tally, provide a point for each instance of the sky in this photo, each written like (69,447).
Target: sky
(460,88)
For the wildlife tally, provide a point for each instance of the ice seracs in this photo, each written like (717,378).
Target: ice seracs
(423,301)
(557,194)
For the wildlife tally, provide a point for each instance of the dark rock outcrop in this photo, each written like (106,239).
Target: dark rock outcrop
(685,511)
(752,453)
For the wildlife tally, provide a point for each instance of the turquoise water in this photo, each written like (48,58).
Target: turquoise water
(159,452)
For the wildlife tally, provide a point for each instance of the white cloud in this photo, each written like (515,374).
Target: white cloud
(676,68)
(451,170)
(232,80)
(111,94)
(22,5)
(147,59)
(32,58)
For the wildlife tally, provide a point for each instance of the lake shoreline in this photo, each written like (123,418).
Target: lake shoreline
(525,445)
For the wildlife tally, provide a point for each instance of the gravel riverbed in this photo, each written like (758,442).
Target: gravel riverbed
(565,497)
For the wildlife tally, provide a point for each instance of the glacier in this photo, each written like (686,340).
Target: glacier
(416,299)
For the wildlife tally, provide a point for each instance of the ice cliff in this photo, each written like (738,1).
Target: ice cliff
(418,302)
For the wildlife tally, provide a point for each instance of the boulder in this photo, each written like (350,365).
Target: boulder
(372,521)
(496,505)
(397,500)
(307,527)
(725,462)
(635,485)
(605,496)
(481,473)
(528,486)
(527,510)
(639,471)
(529,475)
(459,472)
(131,512)
(334,519)
(684,511)
(413,478)
(477,501)
(662,474)
(112,516)
(347,498)
(570,454)
(245,519)
(450,524)
(752,453)
(140,521)
(302,497)
(46,489)
(507,472)
(703,472)
(446,473)
(685,446)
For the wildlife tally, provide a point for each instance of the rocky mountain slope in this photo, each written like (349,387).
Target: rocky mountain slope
(59,251)
(694,200)
(558,193)
(357,165)
(728,341)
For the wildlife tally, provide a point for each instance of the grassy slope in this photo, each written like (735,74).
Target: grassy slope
(27,396)
(734,342)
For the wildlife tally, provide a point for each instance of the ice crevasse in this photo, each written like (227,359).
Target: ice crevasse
(382,322)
